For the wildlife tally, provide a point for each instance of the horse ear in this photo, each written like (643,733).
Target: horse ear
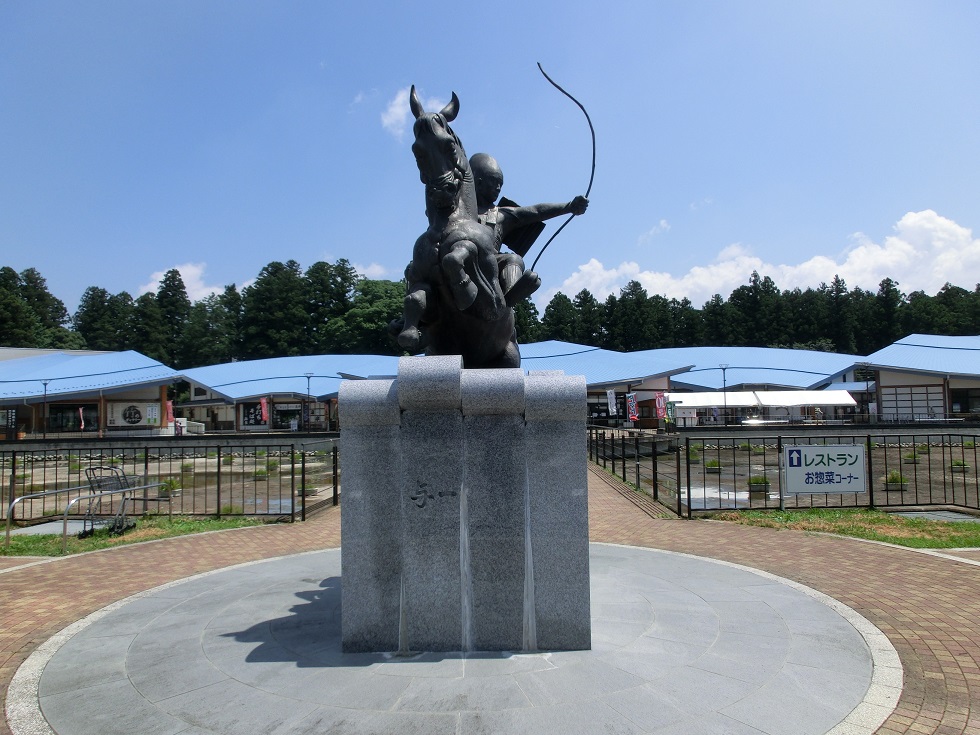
(451,110)
(416,106)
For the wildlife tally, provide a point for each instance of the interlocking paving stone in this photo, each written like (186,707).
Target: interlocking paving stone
(927,605)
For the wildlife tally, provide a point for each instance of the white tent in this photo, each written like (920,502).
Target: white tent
(763,399)
(732,399)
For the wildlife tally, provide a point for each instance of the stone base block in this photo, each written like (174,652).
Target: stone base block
(465,515)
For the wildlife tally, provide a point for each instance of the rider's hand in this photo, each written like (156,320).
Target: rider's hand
(578,205)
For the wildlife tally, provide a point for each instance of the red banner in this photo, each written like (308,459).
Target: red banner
(661,405)
(631,410)
(264,403)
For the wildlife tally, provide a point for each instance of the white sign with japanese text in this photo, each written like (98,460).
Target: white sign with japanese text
(830,468)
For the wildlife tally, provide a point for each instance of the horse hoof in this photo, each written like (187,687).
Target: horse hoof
(464,293)
(527,285)
(410,339)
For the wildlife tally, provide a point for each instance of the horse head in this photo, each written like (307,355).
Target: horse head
(439,153)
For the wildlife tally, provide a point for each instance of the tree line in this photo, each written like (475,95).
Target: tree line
(330,309)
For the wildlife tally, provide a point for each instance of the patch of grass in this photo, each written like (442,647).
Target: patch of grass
(187,466)
(147,529)
(712,463)
(271,465)
(874,525)
(896,477)
(758,480)
(232,510)
(228,459)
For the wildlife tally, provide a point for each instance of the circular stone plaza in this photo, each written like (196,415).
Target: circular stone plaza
(697,627)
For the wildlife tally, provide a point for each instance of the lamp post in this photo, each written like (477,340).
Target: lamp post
(307,411)
(44,410)
(724,388)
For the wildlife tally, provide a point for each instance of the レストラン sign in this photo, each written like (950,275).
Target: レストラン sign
(831,468)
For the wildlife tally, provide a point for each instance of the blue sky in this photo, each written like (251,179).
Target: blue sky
(802,140)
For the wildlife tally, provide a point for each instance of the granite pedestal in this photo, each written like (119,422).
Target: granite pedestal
(465,524)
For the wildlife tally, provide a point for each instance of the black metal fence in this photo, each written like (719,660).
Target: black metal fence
(198,479)
(697,474)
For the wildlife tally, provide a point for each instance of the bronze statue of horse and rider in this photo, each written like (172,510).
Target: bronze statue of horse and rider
(461,288)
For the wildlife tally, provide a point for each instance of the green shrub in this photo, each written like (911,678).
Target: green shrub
(272,465)
(228,459)
(758,480)
(169,488)
(896,477)
(712,463)
(187,466)
(232,510)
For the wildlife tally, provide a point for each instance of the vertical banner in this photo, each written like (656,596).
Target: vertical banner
(170,412)
(631,411)
(81,419)
(611,403)
(671,411)
(661,405)
(264,404)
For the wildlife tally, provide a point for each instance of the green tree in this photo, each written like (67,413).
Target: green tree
(19,326)
(275,321)
(589,318)
(332,289)
(104,320)
(840,324)
(759,321)
(174,310)
(630,320)
(363,328)
(559,321)
(720,322)
(889,302)
(688,328)
(526,322)
(150,332)
(49,310)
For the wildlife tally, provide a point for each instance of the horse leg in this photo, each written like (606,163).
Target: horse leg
(453,264)
(415,303)
(516,283)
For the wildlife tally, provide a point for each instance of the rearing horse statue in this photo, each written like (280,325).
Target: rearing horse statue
(454,293)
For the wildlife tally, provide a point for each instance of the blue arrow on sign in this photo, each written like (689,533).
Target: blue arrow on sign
(795,458)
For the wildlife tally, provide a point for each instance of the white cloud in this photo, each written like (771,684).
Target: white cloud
(371,271)
(395,117)
(658,229)
(193,276)
(925,252)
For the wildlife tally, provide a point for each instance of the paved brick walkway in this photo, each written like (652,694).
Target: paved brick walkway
(928,605)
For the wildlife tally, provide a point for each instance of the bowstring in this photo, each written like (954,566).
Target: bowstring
(591,176)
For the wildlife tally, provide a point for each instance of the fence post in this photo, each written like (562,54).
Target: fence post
(780,471)
(217,486)
(871,475)
(655,470)
(636,456)
(622,449)
(604,453)
(677,471)
(146,479)
(302,482)
(336,476)
(13,480)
